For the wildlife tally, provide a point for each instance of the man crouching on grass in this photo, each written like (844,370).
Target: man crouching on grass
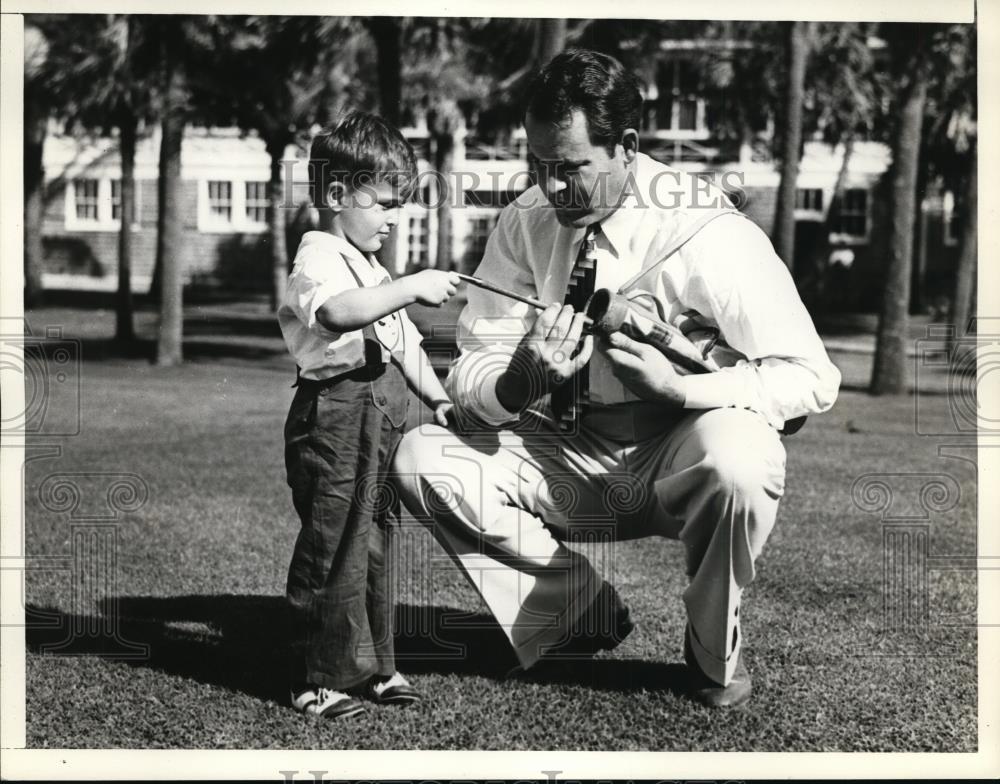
(343,320)
(576,431)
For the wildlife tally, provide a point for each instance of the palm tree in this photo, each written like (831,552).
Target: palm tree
(799,43)
(184,48)
(387,35)
(952,151)
(911,53)
(105,82)
(295,72)
(37,105)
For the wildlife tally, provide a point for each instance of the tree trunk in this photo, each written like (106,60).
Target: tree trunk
(124,329)
(889,375)
(965,274)
(276,221)
(839,186)
(784,217)
(550,38)
(35,122)
(388,35)
(822,299)
(444,160)
(170,239)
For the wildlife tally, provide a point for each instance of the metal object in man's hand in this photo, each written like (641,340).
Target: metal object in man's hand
(484,284)
(613,312)
(608,312)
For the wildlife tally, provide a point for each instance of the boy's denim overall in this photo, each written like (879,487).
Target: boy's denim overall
(340,436)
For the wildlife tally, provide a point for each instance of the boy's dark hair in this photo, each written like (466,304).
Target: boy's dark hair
(595,83)
(362,149)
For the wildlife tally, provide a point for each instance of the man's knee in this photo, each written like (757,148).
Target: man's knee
(744,474)
(419,454)
(743,457)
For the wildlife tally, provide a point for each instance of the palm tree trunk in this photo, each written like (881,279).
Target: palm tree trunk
(276,221)
(388,36)
(35,122)
(965,274)
(124,328)
(889,375)
(784,217)
(169,240)
(550,39)
(444,160)
(820,295)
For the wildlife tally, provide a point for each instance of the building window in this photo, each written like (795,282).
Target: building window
(220,200)
(256,202)
(85,199)
(679,109)
(116,201)
(852,223)
(419,244)
(480,228)
(809,199)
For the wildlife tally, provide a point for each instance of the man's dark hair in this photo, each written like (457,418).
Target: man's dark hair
(362,149)
(595,83)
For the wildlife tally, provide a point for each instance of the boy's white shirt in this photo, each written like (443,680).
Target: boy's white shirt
(322,269)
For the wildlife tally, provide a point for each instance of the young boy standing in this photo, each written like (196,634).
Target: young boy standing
(343,320)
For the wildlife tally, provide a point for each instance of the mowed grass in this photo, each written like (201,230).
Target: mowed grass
(199,574)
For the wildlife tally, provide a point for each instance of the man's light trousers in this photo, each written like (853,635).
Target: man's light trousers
(503,503)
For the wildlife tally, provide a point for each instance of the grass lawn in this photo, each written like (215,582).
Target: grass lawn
(198,574)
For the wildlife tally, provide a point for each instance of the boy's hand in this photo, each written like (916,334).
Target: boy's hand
(442,412)
(433,287)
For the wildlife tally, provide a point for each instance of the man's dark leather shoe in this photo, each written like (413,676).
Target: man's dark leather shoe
(601,627)
(708,692)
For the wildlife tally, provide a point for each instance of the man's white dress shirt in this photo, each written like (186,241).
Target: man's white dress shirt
(728,272)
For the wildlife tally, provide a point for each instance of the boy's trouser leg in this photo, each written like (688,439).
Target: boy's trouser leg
(331,453)
(722,480)
(381,603)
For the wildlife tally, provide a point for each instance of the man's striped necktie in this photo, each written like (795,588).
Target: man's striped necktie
(570,400)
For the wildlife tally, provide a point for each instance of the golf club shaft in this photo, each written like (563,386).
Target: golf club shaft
(535,303)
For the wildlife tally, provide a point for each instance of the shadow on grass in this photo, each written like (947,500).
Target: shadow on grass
(101,349)
(241,643)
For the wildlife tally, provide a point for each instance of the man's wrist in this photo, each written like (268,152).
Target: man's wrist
(675,393)
(513,390)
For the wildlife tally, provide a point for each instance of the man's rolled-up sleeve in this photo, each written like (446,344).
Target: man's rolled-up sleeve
(491,325)
(736,277)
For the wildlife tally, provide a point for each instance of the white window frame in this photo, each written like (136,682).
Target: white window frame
(700,132)
(103,221)
(239,222)
(410,216)
(472,216)
(258,203)
(855,239)
(948,235)
(809,213)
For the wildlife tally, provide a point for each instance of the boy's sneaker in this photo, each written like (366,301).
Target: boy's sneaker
(392,691)
(328,703)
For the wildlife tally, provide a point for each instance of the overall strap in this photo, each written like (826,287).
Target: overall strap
(678,244)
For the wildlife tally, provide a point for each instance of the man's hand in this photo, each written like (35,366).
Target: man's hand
(545,358)
(643,369)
